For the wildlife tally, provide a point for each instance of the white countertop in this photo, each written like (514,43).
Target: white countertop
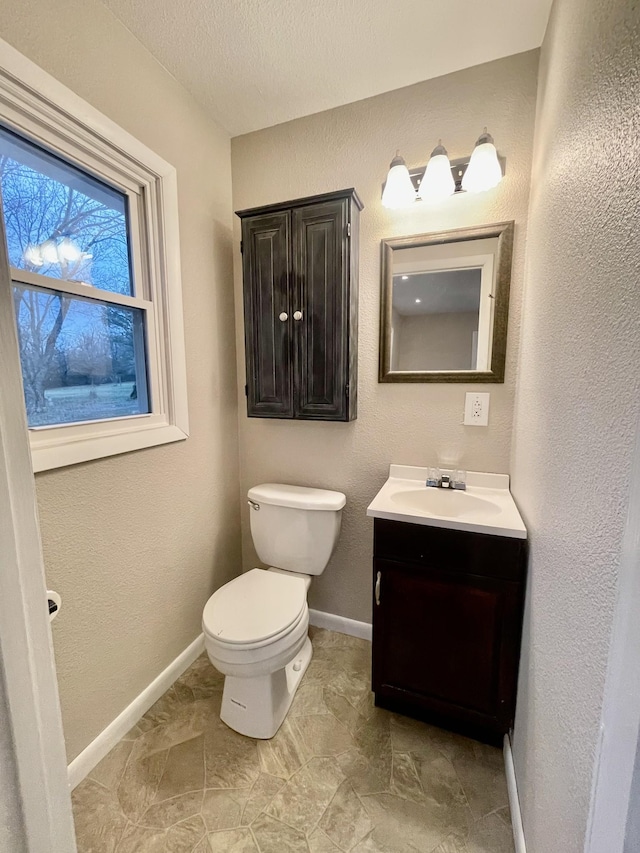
(485,507)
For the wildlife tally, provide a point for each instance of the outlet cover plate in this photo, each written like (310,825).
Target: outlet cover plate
(476,409)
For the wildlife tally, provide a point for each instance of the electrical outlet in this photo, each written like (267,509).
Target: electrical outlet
(476,409)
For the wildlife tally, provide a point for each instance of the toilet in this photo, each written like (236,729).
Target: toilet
(256,626)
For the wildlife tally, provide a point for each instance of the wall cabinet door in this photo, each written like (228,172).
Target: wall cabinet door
(300,276)
(321,288)
(446,643)
(267,308)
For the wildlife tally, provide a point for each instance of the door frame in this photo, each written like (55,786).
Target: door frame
(26,648)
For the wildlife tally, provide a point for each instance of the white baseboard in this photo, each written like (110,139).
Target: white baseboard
(514,801)
(319,619)
(84,763)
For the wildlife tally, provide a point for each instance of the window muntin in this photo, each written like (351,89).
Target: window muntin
(62,222)
(82,359)
(81,330)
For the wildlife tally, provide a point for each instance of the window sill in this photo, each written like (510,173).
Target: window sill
(59,453)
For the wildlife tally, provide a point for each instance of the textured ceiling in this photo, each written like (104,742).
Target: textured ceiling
(256,63)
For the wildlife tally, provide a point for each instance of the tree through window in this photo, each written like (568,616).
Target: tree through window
(83,357)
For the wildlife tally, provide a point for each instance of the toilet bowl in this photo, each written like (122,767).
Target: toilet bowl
(256,626)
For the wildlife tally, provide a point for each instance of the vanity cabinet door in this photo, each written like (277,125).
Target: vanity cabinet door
(446,643)
(320,263)
(266,242)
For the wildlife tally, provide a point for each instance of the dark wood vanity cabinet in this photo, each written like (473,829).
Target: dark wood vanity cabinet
(300,276)
(447,622)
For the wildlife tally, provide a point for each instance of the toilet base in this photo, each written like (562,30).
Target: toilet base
(256,707)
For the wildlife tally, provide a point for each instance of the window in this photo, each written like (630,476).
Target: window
(90,217)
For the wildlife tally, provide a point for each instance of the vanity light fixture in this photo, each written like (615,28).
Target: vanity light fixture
(441,177)
(484,171)
(398,190)
(438,182)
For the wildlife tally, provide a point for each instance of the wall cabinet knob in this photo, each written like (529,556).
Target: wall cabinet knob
(297,315)
(284,316)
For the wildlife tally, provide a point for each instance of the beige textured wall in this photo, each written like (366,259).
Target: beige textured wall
(411,424)
(136,543)
(578,402)
(436,341)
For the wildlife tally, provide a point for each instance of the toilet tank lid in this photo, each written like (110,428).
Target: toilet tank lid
(297,497)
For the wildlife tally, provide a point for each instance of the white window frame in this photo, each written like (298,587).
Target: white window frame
(37,106)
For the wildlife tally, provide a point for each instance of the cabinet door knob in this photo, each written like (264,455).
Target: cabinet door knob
(297,315)
(284,316)
(378,579)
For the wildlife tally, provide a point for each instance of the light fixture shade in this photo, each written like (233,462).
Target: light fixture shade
(484,171)
(437,182)
(398,190)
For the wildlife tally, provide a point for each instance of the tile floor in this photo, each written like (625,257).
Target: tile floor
(340,775)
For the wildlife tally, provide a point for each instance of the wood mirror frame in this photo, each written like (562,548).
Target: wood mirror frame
(504,232)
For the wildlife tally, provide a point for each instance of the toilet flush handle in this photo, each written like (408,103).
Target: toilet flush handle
(253,505)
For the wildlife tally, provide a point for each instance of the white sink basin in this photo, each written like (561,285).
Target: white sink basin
(445,503)
(485,507)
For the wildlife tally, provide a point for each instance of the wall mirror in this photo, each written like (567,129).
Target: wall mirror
(445,305)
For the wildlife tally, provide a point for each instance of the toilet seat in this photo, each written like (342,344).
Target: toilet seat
(254,610)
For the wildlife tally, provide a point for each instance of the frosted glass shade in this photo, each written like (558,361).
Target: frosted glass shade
(484,171)
(398,191)
(437,182)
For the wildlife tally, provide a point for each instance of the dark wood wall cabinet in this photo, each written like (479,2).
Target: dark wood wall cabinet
(447,622)
(300,275)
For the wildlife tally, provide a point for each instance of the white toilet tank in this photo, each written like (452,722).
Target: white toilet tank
(295,528)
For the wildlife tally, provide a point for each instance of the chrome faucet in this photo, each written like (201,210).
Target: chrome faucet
(436,479)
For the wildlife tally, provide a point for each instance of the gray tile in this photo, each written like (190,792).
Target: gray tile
(231,841)
(98,817)
(480,769)
(110,770)
(285,753)
(346,821)
(222,808)
(405,781)
(140,839)
(323,734)
(263,791)
(163,814)
(303,800)
(184,769)
(490,835)
(309,699)
(401,825)
(276,837)
(367,775)
(139,784)
(231,760)
(441,785)
(320,843)
(182,837)
(340,776)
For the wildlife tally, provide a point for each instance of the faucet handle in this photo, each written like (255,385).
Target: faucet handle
(433,477)
(460,480)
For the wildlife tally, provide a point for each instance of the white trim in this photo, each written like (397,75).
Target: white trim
(84,763)
(514,800)
(331,622)
(26,650)
(38,106)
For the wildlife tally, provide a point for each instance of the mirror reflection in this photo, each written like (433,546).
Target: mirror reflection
(442,308)
(445,306)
